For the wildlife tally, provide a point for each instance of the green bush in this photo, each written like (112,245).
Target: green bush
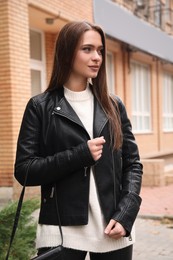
(23,246)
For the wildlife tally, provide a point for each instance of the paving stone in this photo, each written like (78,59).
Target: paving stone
(153,242)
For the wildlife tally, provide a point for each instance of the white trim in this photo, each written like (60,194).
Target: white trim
(111,73)
(141,97)
(167,102)
(40,65)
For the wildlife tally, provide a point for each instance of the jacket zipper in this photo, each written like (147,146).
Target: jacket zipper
(55,112)
(130,237)
(52,192)
(85,171)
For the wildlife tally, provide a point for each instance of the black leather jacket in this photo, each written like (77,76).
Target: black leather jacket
(53,144)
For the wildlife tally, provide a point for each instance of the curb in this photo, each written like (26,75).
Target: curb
(156,217)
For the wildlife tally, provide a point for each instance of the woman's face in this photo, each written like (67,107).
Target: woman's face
(88,57)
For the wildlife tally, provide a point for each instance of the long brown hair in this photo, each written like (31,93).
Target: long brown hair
(65,51)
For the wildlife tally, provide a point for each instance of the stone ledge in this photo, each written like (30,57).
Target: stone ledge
(6,195)
(153,172)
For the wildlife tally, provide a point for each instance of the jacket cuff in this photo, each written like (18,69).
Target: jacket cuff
(127,211)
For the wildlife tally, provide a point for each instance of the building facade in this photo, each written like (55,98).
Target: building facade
(141,75)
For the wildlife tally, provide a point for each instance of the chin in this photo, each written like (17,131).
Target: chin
(93,76)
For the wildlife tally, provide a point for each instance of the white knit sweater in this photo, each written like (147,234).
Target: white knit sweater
(89,237)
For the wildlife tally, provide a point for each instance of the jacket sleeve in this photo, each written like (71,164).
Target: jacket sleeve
(44,170)
(129,204)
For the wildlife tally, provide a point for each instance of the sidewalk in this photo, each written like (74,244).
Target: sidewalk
(157,202)
(154,239)
(154,225)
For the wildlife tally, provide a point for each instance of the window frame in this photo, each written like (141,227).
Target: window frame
(40,65)
(140,112)
(111,88)
(167,101)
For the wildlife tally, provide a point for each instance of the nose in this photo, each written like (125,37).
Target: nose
(96,56)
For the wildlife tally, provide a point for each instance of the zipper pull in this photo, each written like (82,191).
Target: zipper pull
(130,237)
(52,192)
(85,171)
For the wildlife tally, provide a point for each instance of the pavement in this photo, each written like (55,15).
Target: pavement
(157,202)
(154,240)
(154,224)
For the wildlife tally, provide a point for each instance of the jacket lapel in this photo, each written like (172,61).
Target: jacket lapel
(64,109)
(100,119)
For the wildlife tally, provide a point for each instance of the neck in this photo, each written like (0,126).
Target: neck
(76,85)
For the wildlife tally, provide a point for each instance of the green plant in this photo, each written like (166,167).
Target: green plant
(23,246)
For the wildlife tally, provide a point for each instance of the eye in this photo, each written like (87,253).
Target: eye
(87,49)
(100,52)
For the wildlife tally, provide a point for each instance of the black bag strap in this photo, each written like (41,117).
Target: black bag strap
(18,210)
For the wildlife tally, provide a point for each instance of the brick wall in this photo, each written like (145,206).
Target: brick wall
(5,98)
(71,10)
(14,80)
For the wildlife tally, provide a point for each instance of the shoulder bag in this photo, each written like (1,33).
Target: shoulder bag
(53,253)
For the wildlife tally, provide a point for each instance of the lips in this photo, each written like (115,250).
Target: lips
(95,68)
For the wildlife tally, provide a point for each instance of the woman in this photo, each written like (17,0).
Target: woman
(76,136)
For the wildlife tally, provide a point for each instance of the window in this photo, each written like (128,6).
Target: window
(157,13)
(168,102)
(167,13)
(110,72)
(167,10)
(37,57)
(141,107)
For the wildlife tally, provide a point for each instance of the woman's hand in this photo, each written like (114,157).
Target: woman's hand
(115,230)
(96,146)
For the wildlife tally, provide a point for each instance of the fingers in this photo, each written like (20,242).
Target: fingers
(115,230)
(96,147)
(110,226)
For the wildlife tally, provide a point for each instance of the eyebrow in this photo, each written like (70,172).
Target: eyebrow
(91,45)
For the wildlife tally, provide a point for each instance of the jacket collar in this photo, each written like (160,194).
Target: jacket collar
(63,108)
